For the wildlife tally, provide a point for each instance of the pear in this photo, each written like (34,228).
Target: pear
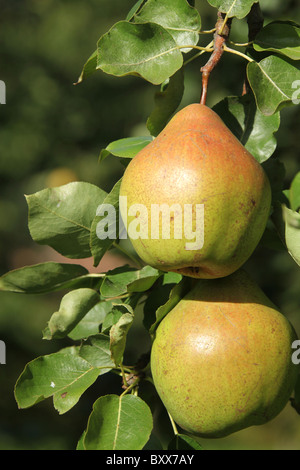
(221,360)
(195,164)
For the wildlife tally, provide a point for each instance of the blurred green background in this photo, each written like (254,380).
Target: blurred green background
(51,132)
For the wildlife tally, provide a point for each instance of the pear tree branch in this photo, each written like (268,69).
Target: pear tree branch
(220,37)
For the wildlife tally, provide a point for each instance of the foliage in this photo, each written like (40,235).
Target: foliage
(156,42)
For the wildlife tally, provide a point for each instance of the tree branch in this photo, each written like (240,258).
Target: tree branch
(220,37)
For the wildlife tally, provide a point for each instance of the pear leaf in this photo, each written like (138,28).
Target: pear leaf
(183,442)
(64,375)
(237,8)
(114,316)
(125,279)
(292,233)
(281,37)
(118,334)
(62,217)
(118,423)
(145,49)
(134,9)
(272,82)
(177,292)
(43,277)
(294,193)
(249,125)
(74,306)
(125,148)
(97,353)
(105,226)
(181,20)
(89,68)
(90,323)
(166,102)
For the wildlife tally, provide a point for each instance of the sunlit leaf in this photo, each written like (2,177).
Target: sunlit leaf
(118,423)
(63,375)
(272,83)
(146,49)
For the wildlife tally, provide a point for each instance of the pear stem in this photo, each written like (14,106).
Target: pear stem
(220,37)
(241,54)
(175,430)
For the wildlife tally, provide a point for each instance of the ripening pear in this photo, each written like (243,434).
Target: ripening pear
(221,360)
(196,201)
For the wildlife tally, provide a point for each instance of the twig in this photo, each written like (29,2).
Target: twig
(241,54)
(209,31)
(238,44)
(221,35)
(208,48)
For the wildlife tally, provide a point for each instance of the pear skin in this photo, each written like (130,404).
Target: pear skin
(196,160)
(221,360)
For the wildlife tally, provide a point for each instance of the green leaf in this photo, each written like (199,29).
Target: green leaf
(63,375)
(62,217)
(114,316)
(159,296)
(105,224)
(249,125)
(125,148)
(166,102)
(89,68)
(91,322)
(121,280)
(116,281)
(145,278)
(238,8)
(181,20)
(276,172)
(294,193)
(134,9)
(271,239)
(73,307)
(43,277)
(118,423)
(146,50)
(80,445)
(292,233)
(272,81)
(183,442)
(176,294)
(281,37)
(97,353)
(118,334)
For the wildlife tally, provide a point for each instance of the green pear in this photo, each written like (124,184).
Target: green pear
(197,177)
(221,360)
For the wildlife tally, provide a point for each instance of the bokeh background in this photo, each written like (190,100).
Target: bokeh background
(51,133)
